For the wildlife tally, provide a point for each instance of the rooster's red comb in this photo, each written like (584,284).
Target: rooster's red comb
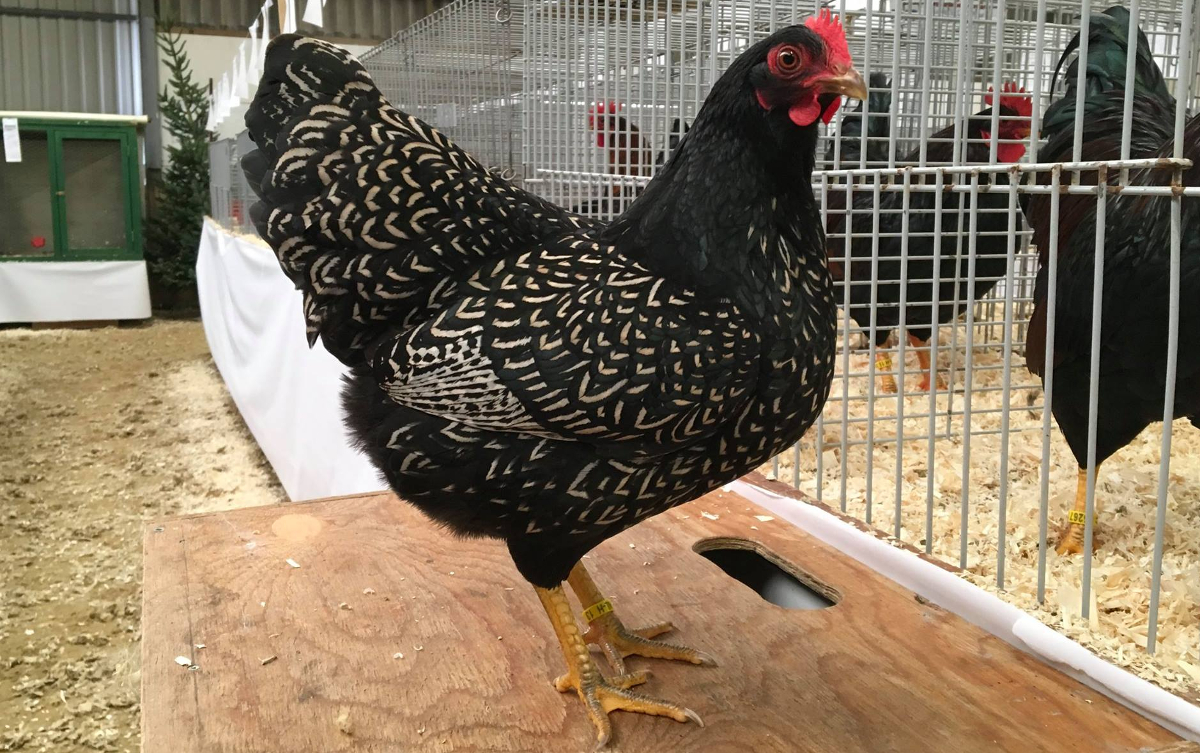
(829,27)
(1012,97)
(610,106)
(600,108)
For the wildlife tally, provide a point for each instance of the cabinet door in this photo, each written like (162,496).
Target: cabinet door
(27,200)
(93,197)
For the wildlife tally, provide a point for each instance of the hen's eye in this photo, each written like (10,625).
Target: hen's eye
(785,60)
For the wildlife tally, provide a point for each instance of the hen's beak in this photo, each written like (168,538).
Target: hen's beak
(849,82)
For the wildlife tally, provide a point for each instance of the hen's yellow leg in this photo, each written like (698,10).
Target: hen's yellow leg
(600,696)
(1071,539)
(607,631)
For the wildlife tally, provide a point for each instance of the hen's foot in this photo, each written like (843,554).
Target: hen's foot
(600,696)
(1070,541)
(617,642)
(606,630)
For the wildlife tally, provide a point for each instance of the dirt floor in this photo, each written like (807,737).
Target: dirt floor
(100,430)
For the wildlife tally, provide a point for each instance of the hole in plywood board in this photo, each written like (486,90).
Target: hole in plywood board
(770,576)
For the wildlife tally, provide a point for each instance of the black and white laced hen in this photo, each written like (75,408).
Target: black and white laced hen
(523,373)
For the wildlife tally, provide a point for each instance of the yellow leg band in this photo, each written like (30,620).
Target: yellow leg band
(598,609)
(883,363)
(1077,517)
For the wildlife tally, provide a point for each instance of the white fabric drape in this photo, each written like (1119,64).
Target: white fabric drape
(71,291)
(288,394)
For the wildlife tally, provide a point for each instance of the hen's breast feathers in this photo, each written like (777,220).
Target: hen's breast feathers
(572,343)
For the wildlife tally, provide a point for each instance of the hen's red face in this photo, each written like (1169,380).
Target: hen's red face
(810,75)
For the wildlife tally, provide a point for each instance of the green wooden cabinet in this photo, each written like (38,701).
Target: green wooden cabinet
(75,195)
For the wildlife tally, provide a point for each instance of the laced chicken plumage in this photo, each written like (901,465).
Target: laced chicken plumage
(523,373)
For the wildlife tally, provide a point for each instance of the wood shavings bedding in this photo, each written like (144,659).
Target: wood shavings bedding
(1127,487)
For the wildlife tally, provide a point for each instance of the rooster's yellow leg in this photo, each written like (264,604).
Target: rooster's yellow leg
(614,639)
(600,696)
(1071,539)
(923,359)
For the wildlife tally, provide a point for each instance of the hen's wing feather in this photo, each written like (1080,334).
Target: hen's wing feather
(572,343)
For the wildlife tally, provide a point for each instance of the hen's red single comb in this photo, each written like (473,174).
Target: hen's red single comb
(1012,97)
(829,27)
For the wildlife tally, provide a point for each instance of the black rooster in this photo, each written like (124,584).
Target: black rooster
(1134,315)
(523,373)
(953,292)
(1104,107)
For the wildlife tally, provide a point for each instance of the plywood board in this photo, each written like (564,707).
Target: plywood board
(302,659)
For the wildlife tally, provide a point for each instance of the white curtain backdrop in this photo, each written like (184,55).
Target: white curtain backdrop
(287,393)
(73,291)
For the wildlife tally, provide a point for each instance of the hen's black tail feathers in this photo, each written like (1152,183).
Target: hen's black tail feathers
(376,217)
(298,72)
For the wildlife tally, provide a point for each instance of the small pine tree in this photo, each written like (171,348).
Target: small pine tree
(173,233)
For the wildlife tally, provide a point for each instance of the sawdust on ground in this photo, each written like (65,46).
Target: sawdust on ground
(102,429)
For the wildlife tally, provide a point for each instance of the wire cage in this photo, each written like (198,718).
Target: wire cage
(230,196)
(584,101)
(459,69)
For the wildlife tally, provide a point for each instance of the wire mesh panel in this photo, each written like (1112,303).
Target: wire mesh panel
(230,195)
(220,180)
(964,473)
(455,70)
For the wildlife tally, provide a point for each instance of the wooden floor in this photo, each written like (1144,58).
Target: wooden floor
(308,659)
